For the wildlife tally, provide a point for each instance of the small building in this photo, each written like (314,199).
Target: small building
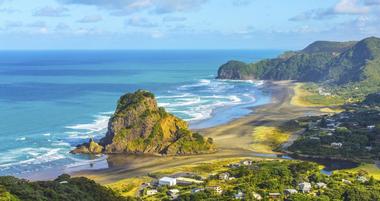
(346,181)
(321,185)
(290,191)
(336,145)
(371,127)
(167,181)
(63,182)
(173,193)
(217,189)
(246,162)
(257,196)
(239,195)
(274,195)
(224,176)
(151,192)
(234,165)
(362,179)
(305,187)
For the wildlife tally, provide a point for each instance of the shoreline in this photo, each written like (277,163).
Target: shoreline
(232,139)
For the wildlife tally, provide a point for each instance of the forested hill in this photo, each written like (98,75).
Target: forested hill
(322,61)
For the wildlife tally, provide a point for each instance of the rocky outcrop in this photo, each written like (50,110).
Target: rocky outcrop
(234,70)
(140,126)
(88,148)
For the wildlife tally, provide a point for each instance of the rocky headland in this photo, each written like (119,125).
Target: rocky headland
(140,126)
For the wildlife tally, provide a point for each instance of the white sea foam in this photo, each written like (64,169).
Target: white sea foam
(27,156)
(21,139)
(98,124)
(46,134)
(60,144)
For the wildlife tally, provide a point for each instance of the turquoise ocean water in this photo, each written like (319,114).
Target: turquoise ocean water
(52,100)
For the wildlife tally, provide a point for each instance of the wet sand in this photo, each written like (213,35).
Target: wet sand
(233,140)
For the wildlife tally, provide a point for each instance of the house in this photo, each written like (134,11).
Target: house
(305,187)
(290,191)
(321,185)
(346,181)
(151,192)
(369,148)
(224,176)
(239,195)
(362,179)
(173,193)
(371,127)
(167,181)
(217,189)
(274,195)
(336,145)
(234,165)
(246,162)
(257,196)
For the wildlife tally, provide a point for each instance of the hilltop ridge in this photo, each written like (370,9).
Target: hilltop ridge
(322,61)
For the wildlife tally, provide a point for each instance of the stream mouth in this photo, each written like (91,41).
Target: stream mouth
(330,165)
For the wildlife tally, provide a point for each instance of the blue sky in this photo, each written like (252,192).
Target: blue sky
(183,24)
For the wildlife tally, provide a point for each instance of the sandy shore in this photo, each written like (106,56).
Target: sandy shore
(233,139)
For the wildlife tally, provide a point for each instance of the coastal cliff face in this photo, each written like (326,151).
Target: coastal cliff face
(322,61)
(140,126)
(234,70)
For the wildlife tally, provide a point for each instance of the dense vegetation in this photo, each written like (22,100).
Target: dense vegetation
(269,180)
(351,68)
(63,188)
(140,126)
(352,134)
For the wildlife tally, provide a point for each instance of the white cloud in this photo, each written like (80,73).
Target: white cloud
(173,19)
(91,19)
(350,7)
(49,11)
(137,21)
(126,7)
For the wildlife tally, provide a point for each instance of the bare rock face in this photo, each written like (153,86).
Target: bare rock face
(140,126)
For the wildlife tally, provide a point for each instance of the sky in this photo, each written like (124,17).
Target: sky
(183,24)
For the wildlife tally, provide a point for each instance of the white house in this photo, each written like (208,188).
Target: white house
(371,127)
(336,145)
(290,191)
(173,193)
(305,187)
(239,195)
(321,185)
(151,192)
(217,189)
(167,181)
(257,196)
(224,176)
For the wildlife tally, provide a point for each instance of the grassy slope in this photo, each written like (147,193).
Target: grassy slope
(266,139)
(371,169)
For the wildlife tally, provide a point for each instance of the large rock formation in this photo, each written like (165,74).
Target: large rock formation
(140,126)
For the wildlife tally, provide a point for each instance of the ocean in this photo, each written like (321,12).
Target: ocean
(51,101)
